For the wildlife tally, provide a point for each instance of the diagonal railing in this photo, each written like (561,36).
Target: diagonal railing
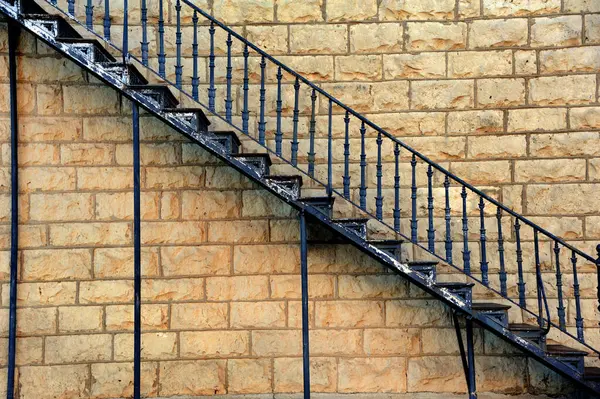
(352,154)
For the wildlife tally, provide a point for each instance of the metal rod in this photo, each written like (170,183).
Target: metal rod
(137,243)
(144,43)
(379,174)
(502,274)
(430,228)
(195,79)
(311,135)
(397,188)
(413,196)
(538,276)
(229,77)
(363,168)
(245,111)
(483,241)
(305,314)
(330,152)
(465,229)
(211,69)
(13,36)
(89,14)
(125,31)
(447,211)
(471,356)
(347,156)
(262,98)
(521,282)
(461,346)
(577,295)
(107,20)
(71,7)
(278,132)
(161,41)
(295,121)
(178,65)
(561,308)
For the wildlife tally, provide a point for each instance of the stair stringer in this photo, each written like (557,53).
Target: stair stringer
(426,284)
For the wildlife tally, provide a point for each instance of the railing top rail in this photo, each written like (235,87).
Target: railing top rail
(388,135)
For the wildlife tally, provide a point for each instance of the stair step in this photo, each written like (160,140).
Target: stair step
(290,184)
(592,373)
(357,226)
(495,311)
(463,290)
(571,356)
(54,24)
(530,332)
(94,51)
(258,163)
(322,204)
(194,116)
(128,73)
(392,247)
(229,140)
(161,95)
(426,267)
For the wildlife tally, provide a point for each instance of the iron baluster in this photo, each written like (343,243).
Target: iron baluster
(379,174)
(363,167)
(71,7)
(413,197)
(521,282)
(161,41)
(502,274)
(561,308)
(465,229)
(144,43)
(245,111)
(295,122)
(538,276)
(125,31)
(330,151)
(137,244)
(447,211)
(211,69)
(483,241)
(347,155)
(261,122)
(311,135)
(228,78)
(278,132)
(106,19)
(178,66)
(430,228)
(89,15)
(397,187)
(577,295)
(195,79)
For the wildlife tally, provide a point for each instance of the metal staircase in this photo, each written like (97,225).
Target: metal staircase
(120,69)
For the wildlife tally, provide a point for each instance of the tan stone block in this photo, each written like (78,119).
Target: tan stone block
(65,382)
(352,10)
(537,119)
(61,207)
(315,68)
(359,287)
(257,314)
(425,36)
(49,99)
(267,343)
(442,94)
(86,154)
(46,179)
(29,236)
(581,5)
(80,319)
(498,33)
(199,316)
(25,98)
(503,374)
(271,39)
(556,31)
(435,341)
(391,96)
(393,10)
(161,290)
(288,375)
(173,232)
(196,261)
(247,376)
(423,65)
(111,380)
(215,344)
(358,67)
(334,342)
(565,144)
(156,346)
(90,100)
(170,206)
(562,90)
(176,177)
(36,321)
(78,348)
(204,377)
(150,154)
(469,8)
(318,39)
(520,7)
(525,62)
(207,205)
(585,118)
(541,199)
(439,148)
(119,206)
(574,59)
(240,231)
(512,196)
(104,178)
(42,294)
(385,342)
(497,147)
(120,317)
(29,352)
(372,375)
(293,11)
(266,259)
(260,203)
(107,129)
(435,374)
(376,38)
(56,264)
(33,154)
(288,287)
(592,28)
(48,69)
(118,262)
(349,314)
(555,170)
(237,288)
(418,313)
(90,234)
(495,93)
(232,12)
(410,124)
(488,172)
(479,63)
(106,291)
(475,122)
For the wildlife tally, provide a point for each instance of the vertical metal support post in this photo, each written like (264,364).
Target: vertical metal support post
(137,246)
(305,315)
(13,36)
(471,358)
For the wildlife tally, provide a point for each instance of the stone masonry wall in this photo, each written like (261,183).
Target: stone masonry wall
(505,95)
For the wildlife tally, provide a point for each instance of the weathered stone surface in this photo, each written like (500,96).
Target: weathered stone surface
(488,172)
(581,5)
(65,382)
(258,314)
(80,319)
(237,288)
(106,291)
(61,207)
(261,259)
(442,94)
(358,287)
(120,317)
(196,261)
(215,344)
(376,38)
(358,67)
(520,7)
(556,31)
(436,36)
(498,33)
(36,321)
(195,316)
(288,375)
(385,342)
(319,39)
(335,342)
(349,314)
(541,199)
(293,11)
(479,63)
(537,119)
(475,122)
(260,203)
(157,346)
(90,100)
(372,375)
(240,231)
(350,10)
(565,144)
(555,170)
(272,39)
(422,65)
(173,233)
(574,59)
(497,147)
(233,12)
(411,124)
(78,348)
(247,376)
(393,10)
(435,374)
(525,62)
(562,90)
(585,118)
(42,294)
(419,313)
(494,93)
(592,29)
(276,343)
(116,380)
(56,264)
(160,290)
(287,287)
(203,377)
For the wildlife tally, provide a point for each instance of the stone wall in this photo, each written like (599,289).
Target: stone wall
(221,286)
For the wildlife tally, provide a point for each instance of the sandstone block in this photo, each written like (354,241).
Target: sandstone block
(315,68)
(276,343)
(469,8)
(385,342)
(541,199)
(36,321)
(581,5)
(349,314)
(266,259)
(150,154)
(120,317)
(90,100)
(104,178)
(204,377)
(215,344)
(501,92)
(106,291)
(436,36)
(520,7)
(479,63)
(422,65)
(184,289)
(393,10)
(65,382)
(260,203)
(585,118)
(556,31)
(488,172)
(359,287)
(206,205)
(288,287)
(119,206)
(46,179)
(435,341)
(156,346)
(571,90)
(375,38)
(232,12)
(176,177)
(49,99)
(33,154)
(196,261)
(56,264)
(442,94)
(353,10)
(86,154)
(170,205)
(592,29)
(48,69)
(25,98)
(358,67)
(118,262)
(78,348)
(239,231)
(372,375)
(199,316)
(272,39)
(435,374)
(574,59)
(555,170)
(565,144)
(306,11)
(257,314)
(411,124)
(173,233)
(497,147)
(418,313)
(61,207)
(42,294)
(116,380)
(288,375)
(80,319)
(29,352)
(498,33)
(336,342)
(107,128)
(537,119)
(90,234)
(475,122)
(525,62)
(318,39)
(247,376)
(237,288)
(391,96)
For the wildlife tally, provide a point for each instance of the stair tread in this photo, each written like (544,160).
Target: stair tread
(456,284)
(233,135)
(386,242)
(160,87)
(284,178)
(489,306)
(196,111)
(524,327)
(554,348)
(131,67)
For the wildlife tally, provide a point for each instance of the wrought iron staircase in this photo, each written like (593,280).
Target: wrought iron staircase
(117,67)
